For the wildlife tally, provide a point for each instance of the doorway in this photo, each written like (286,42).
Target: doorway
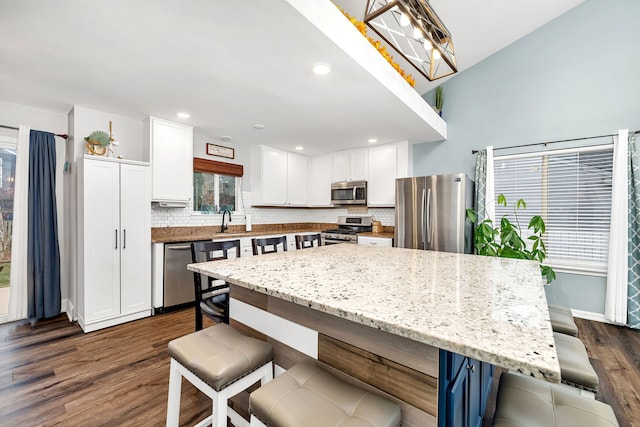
(7,178)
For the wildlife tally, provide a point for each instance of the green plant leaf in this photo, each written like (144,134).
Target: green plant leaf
(502,200)
(521,204)
(471,215)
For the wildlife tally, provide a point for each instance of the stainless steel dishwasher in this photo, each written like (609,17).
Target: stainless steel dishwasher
(178,281)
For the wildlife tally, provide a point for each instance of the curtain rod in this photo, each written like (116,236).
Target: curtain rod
(553,142)
(61,135)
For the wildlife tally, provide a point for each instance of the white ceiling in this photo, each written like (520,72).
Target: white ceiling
(232,64)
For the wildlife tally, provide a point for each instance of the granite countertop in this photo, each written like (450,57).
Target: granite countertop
(188,234)
(491,309)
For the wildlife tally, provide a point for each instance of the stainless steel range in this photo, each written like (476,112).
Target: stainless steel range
(347,231)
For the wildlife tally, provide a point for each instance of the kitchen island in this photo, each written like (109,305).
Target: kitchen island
(355,308)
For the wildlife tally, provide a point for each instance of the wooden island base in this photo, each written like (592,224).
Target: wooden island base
(405,370)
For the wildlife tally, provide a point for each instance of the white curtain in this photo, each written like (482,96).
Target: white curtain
(490,196)
(617,275)
(18,280)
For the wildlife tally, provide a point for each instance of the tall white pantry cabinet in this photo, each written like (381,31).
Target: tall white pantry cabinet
(114,234)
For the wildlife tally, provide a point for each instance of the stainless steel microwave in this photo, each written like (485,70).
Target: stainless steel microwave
(349,193)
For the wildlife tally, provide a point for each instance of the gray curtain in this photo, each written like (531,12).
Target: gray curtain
(633,294)
(43,265)
(481,181)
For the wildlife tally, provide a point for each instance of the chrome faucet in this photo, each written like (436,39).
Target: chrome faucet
(224,212)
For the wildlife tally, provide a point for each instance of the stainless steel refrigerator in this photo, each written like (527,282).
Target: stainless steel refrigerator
(430,213)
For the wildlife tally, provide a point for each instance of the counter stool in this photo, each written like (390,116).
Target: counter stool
(525,401)
(221,363)
(575,368)
(562,320)
(308,396)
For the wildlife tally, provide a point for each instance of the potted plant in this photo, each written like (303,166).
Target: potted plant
(439,100)
(505,240)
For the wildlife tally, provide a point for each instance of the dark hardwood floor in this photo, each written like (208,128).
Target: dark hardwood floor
(614,352)
(53,374)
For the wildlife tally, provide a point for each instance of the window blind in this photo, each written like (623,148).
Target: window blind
(571,190)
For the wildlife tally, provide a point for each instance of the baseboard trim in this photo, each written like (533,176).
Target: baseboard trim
(589,315)
(69,308)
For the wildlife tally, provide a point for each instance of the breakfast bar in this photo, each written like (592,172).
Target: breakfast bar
(406,322)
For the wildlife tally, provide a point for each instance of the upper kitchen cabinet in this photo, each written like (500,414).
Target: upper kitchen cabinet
(350,165)
(171,158)
(386,163)
(278,178)
(320,180)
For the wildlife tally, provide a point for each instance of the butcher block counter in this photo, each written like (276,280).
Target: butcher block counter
(400,308)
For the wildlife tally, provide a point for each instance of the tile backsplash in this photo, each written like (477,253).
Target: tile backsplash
(177,217)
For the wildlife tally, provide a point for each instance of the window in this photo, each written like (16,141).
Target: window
(213,193)
(571,190)
(215,186)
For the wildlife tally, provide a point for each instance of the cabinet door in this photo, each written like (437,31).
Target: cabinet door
(340,164)
(297,179)
(274,176)
(358,164)
(101,237)
(457,412)
(382,175)
(320,185)
(171,160)
(135,231)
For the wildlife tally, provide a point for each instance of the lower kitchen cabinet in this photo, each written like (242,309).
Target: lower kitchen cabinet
(463,390)
(114,237)
(375,241)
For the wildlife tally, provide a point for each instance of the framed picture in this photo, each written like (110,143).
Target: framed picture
(220,151)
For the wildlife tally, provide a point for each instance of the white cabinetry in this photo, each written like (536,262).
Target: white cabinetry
(350,165)
(386,163)
(278,178)
(375,241)
(171,160)
(114,242)
(320,181)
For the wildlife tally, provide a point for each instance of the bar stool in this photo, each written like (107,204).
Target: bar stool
(524,401)
(562,320)
(575,368)
(304,241)
(261,245)
(221,363)
(307,395)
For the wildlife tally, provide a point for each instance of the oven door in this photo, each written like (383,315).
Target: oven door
(333,241)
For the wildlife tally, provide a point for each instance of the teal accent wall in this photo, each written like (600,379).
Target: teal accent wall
(577,76)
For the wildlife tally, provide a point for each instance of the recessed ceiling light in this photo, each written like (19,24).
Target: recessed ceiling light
(299,148)
(258,126)
(225,138)
(321,69)
(372,140)
(184,115)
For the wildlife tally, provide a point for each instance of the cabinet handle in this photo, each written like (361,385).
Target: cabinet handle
(124,239)
(116,238)
(472,367)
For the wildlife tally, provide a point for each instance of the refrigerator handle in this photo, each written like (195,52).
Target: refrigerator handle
(424,222)
(428,227)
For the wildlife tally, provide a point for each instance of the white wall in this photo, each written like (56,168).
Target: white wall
(38,119)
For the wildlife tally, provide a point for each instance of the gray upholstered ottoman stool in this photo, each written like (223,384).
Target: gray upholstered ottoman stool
(220,362)
(575,368)
(524,401)
(562,320)
(308,396)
